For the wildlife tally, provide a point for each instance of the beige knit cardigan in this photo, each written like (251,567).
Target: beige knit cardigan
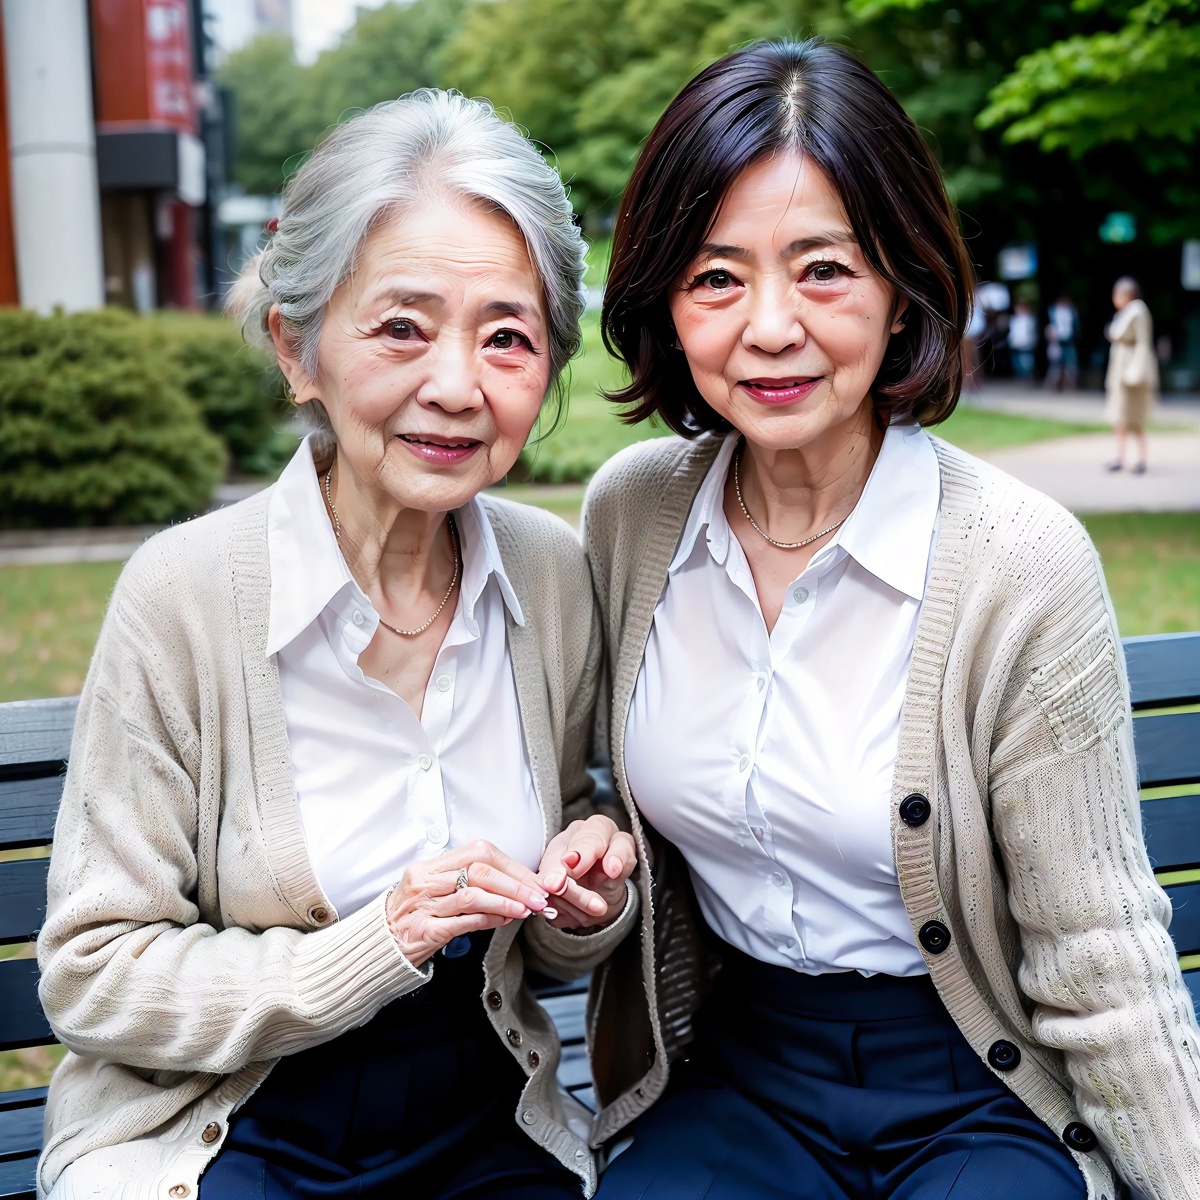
(1016,726)
(188,944)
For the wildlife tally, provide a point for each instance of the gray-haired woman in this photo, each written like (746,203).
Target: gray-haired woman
(328,733)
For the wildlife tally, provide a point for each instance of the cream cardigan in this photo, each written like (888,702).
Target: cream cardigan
(1016,727)
(187,944)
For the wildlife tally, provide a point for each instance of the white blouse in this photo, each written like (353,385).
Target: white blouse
(379,789)
(767,759)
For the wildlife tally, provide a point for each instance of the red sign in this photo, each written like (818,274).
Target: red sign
(169,64)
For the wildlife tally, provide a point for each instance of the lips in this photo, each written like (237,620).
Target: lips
(439,450)
(780,391)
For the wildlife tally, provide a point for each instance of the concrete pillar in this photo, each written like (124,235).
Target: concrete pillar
(55,195)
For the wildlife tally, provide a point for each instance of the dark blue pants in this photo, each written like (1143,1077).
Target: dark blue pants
(417,1103)
(835,1087)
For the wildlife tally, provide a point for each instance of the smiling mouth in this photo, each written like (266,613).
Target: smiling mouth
(414,439)
(780,385)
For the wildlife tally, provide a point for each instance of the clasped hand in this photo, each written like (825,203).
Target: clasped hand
(580,884)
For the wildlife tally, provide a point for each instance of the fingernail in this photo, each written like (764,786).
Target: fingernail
(571,859)
(549,913)
(538,903)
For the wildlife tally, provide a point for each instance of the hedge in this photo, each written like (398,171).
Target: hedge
(95,425)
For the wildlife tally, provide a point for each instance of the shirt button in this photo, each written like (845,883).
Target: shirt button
(800,595)
(358,617)
(435,835)
(424,762)
(777,878)
(443,683)
(744,763)
(758,831)
(760,683)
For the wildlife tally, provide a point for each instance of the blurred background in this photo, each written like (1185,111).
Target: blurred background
(144,143)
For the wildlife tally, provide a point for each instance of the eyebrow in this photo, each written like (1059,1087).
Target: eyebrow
(832,237)
(404,298)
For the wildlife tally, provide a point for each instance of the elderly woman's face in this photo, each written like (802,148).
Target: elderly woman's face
(783,321)
(433,355)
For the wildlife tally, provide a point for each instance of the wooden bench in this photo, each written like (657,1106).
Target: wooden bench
(1164,675)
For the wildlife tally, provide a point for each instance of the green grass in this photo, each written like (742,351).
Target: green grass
(977,430)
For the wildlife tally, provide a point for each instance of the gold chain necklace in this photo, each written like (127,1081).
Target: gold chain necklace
(737,487)
(337,533)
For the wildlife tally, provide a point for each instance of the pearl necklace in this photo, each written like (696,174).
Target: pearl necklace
(337,533)
(737,487)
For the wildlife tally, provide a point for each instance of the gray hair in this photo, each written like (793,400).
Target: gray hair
(1127,283)
(381,163)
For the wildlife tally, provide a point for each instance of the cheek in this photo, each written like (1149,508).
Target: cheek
(515,396)
(855,334)
(708,337)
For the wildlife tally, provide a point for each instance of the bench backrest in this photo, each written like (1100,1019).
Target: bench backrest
(1164,675)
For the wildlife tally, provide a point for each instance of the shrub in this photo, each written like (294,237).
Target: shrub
(236,387)
(94,426)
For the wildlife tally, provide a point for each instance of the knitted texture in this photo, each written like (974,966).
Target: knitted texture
(188,945)
(1016,726)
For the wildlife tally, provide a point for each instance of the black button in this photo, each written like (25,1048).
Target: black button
(535,1059)
(495,1000)
(934,936)
(514,1037)
(1004,1056)
(1079,1137)
(915,810)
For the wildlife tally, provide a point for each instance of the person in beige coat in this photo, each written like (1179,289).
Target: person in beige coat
(869,714)
(1132,377)
(327,794)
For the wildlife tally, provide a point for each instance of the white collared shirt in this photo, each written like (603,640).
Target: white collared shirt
(379,789)
(767,759)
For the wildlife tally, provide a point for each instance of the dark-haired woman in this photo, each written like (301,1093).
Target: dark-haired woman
(868,711)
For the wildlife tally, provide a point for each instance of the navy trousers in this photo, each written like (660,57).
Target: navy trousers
(419,1103)
(835,1087)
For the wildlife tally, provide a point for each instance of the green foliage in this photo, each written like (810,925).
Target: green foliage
(1143,79)
(236,388)
(96,430)
(283,108)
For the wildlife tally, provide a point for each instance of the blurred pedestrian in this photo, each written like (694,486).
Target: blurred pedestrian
(1023,340)
(1064,319)
(1132,378)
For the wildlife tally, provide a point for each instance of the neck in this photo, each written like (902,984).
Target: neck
(793,493)
(391,550)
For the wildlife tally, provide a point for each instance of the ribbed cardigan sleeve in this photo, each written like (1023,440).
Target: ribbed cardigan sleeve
(129,969)
(1096,957)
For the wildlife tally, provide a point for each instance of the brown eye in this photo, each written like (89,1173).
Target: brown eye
(506,339)
(719,281)
(824,272)
(401,331)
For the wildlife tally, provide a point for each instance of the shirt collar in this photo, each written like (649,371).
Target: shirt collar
(888,533)
(308,572)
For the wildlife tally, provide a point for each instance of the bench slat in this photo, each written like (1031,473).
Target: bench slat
(1185,917)
(1164,669)
(1168,749)
(22,1022)
(1172,832)
(17,1179)
(22,899)
(27,811)
(36,730)
(20,1132)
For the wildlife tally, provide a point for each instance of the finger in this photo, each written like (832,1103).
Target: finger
(582,898)
(490,879)
(590,843)
(570,917)
(476,900)
(481,851)
(621,857)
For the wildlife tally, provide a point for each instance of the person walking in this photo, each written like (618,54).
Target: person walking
(1132,378)
(1023,341)
(1063,373)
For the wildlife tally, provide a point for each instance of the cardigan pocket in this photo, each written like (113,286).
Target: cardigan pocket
(1081,692)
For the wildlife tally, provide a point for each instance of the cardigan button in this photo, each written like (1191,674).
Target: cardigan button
(529,1116)
(514,1036)
(212,1131)
(1004,1056)
(179,1191)
(1079,1137)
(535,1059)
(318,914)
(915,810)
(495,1000)
(934,936)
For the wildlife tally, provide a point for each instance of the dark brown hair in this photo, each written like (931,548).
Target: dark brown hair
(819,101)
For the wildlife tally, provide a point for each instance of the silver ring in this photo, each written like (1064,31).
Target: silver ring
(461,881)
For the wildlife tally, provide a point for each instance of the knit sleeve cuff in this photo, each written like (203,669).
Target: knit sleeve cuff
(346,973)
(566,953)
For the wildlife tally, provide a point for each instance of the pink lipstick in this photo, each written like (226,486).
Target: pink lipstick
(779,392)
(442,452)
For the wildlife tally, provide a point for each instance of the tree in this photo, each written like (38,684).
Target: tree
(1139,80)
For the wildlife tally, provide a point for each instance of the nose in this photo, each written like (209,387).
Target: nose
(453,383)
(773,322)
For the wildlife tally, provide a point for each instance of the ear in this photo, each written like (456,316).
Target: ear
(300,385)
(900,315)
